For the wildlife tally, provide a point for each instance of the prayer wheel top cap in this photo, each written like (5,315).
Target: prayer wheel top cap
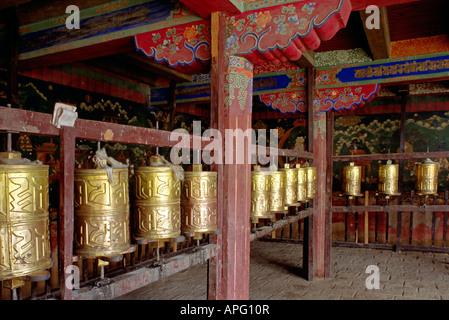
(156,160)
(286,165)
(10,155)
(256,168)
(298,165)
(197,168)
(428,161)
(351,164)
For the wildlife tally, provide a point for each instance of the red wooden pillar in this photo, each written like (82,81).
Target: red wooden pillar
(231,104)
(320,161)
(66,215)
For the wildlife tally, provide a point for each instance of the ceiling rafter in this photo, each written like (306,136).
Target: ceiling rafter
(378,38)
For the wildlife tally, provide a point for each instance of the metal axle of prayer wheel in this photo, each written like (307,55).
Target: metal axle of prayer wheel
(157,205)
(427,177)
(352,180)
(24,221)
(302,183)
(311,182)
(260,195)
(199,203)
(388,179)
(277,191)
(291,185)
(102,215)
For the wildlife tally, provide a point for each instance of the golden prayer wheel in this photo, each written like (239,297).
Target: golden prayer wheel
(199,201)
(102,214)
(352,180)
(24,217)
(277,191)
(291,185)
(302,183)
(311,182)
(260,193)
(427,177)
(157,206)
(388,179)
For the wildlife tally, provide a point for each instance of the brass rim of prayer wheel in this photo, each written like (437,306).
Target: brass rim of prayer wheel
(302,183)
(427,178)
(352,180)
(102,216)
(24,219)
(277,193)
(388,179)
(311,182)
(157,205)
(199,201)
(260,193)
(291,185)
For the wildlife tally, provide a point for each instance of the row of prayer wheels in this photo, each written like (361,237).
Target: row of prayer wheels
(102,211)
(273,190)
(164,207)
(426,179)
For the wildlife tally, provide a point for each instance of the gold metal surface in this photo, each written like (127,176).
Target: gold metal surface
(427,177)
(260,193)
(157,207)
(388,179)
(101,213)
(24,220)
(277,191)
(291,184)
(302,183)
(311,182)
(352,180)
(199,201)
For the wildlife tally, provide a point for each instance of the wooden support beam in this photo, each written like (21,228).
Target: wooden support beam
(66,210)
(231,272)
(319,203)
(392,208)
(307,59)
(392,156)
(125,70)
(40,124)
(138,59)
(218,37)
(378,38)
(329,178)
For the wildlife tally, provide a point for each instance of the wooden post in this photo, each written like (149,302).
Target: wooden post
(66,215)
(172,104)
(329,177)
(366,218)
(231,111)
(320,162)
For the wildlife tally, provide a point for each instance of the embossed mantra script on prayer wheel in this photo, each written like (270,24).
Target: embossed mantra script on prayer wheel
(24,217)
(102,213)
(291,184)
(311,183)
(352,180)
(260,193)
(388,179)
(157,207)
(277,191)
(199,201)
(427,177)
(302,183)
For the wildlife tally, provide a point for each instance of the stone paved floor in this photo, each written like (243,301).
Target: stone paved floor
(275,268)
